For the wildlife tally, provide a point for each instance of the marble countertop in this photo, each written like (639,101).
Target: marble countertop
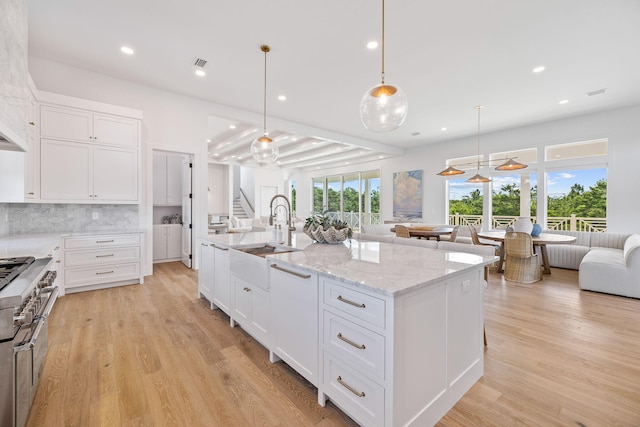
(41,245)
(385,268)
(299,240)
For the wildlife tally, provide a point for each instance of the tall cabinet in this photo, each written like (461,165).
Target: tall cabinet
(167,206)
(87,155)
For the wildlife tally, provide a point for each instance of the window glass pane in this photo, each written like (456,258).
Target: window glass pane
(370,188)
(577,200)
(333,195)
(465,202)
(318,195)
(293,198)
(350,200)
(574,150)
(527,156)
(465,163)
(513,195)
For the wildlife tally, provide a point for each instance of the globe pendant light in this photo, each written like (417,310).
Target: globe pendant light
(264,149)
(383,107)
(477,177)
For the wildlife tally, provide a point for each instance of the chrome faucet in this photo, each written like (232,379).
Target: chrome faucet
(290,227)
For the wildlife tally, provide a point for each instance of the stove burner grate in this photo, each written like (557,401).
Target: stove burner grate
(10,268)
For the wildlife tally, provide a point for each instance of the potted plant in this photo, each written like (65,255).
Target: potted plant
(323,229)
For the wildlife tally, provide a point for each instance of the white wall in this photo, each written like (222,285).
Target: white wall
(248,185)
(620,126)
(218,189)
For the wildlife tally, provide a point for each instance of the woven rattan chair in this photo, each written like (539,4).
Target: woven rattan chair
(402,231)
(522,264)
(454,233)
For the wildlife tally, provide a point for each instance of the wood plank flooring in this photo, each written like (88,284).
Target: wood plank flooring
(154,354)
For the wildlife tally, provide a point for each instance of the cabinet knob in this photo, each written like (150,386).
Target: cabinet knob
(31,193)
(247,289)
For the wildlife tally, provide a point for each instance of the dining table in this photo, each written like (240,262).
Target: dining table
(427,232)
(540,243)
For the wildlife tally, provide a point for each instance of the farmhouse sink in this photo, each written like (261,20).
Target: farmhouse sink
(265,250)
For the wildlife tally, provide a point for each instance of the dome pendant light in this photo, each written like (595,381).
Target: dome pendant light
(477,177)
(263,149)
(383,107)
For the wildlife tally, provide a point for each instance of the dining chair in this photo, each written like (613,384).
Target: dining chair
(454,233)
(522,264)
(402,231)
(476,240)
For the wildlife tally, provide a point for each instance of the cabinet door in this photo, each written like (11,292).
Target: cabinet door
(261,313)
(115,174)
(66,123)
(159,242)
(222,280)
(31,156)
(205,275)
(65,171)
(115,130)
(174,241)
(294,316)
(241,302)
(174,180)
(159,179)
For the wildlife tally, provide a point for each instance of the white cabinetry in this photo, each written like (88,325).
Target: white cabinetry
(88,157)
(205,274)
(167,179)
(251,309)
(167,242)
(222,280)
(402,360)
(86,126)
(99,261)
(294,319)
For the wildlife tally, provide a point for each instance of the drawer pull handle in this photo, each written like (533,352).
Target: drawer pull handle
(295,273)
(105,272)
(348,341)
(103,256)
(104,241)
(246,289)
(351,389)
(355,304)
(218,247)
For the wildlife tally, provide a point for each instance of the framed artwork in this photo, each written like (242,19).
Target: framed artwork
(407,194)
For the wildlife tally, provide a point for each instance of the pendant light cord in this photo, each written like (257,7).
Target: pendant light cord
(264,123)
(478,107)
(382,74)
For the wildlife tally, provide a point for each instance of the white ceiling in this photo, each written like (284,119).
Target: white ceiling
(447,56)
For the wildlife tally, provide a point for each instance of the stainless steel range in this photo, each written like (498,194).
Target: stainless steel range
(27,295)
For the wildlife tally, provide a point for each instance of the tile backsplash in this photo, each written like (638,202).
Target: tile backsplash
(20,218)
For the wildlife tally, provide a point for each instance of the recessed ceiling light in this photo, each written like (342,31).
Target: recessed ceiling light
(282,97)
(232,126)
(443,129)
(216,154)
(372,45)
(200,73)
(381,157)
(538,69)
(208,140)
(126,49)
(294,139)
(347,163)
(239,157)
(564,101)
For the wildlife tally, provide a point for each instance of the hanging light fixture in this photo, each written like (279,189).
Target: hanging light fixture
(264,149)
(510,165)
(477,177)
(383,107)
(450,171)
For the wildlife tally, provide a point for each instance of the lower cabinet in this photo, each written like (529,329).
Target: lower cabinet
(205,274)
(99,261)
(167,242)
(221,297)
(251,309)
(294,316)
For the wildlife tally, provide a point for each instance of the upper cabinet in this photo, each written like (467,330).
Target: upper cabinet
(85,126)
(167,179)
(88,155)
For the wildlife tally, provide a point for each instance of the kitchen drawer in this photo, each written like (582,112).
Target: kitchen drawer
(357,395)
(75,277)
(94,242)
(102,256)
(358,304)
(358,345)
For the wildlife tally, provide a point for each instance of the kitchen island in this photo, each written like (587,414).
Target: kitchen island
(392,334)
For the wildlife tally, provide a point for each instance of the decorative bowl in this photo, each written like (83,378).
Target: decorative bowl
(330,235)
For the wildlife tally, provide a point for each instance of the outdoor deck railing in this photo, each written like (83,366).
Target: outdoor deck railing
(353,218)
(567,223)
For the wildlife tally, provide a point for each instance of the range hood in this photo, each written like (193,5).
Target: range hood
(9,140)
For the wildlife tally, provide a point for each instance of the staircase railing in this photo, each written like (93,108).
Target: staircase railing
(246,205)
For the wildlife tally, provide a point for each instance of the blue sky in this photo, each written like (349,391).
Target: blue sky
(558,183)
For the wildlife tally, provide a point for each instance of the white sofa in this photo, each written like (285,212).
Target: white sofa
(611,270)
(239,225)
(570,256)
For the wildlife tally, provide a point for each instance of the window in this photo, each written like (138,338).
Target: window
(353,197)
(465,202)
(293,198)
(512,196)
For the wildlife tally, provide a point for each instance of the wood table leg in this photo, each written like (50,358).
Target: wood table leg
(501,261)
(545,259)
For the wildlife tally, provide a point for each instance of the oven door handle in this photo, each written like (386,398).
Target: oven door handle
(41,319)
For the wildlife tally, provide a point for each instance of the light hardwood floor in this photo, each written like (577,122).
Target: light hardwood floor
(154,354)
